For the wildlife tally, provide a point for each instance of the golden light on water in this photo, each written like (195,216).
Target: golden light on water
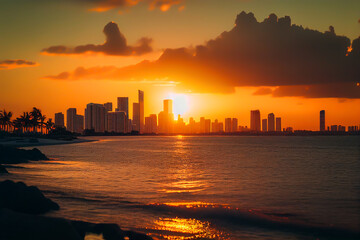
(182,228)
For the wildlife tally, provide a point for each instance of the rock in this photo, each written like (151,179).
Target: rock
(19,226)
(3,169)
(21,198)
(12,155)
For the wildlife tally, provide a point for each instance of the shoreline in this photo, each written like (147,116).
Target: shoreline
(33,142)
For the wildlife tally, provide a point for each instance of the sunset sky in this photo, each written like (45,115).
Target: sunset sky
(212,58)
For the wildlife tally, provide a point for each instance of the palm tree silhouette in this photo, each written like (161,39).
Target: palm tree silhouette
(35,115)
(5,120)
(49,125)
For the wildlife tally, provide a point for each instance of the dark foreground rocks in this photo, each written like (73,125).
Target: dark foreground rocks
(20,226)
(21,198)
(19,219)
(12,155)
(2,169)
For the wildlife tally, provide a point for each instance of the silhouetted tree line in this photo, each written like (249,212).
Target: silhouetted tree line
(28,122)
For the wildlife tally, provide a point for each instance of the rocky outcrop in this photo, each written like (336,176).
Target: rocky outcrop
(19,226)
(3,169)
(21,198)
(12,155)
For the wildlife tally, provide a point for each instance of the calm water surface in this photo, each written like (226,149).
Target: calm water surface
(228,187)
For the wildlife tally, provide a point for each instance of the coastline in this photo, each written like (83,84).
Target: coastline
(33,142)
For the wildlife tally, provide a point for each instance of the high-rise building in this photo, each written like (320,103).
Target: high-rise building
(59,119)
(207,125)
(108,106)
(228,125)
(271,122)
(202,125)
(95,117)
(70,119)
(322,120)
(151,124)
(278,124)
(166,118)
(255,120)
(221,127)
(264,125)
(123,105)
(168,104)
(116,122)
(136,117)
(141,110)
(234,125)
(215,126)
(79,123)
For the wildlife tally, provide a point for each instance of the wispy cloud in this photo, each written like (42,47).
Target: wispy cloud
(16,63)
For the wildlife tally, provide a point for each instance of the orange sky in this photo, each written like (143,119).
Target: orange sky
(25,87)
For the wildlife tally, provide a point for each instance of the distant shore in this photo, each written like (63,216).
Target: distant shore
(32,142)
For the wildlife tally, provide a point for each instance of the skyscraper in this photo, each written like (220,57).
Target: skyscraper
(59,119)
(116,122)
(255,120)
(150,124)
(123,106)
(166,118)
(168,103)
(141,111)
(278,124)
(70,119)
(227,125)
(108,106)
(322,120)
(79,124)
(234,125)
(95,117)
(271,122)
(264,125)
(136,117)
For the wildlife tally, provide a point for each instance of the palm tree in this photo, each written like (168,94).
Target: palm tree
(49,125)
(1,120)
(42,122)
(5,119)
(26,121)
(35,115)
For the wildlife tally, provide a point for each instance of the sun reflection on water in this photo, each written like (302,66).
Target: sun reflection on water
(182,228)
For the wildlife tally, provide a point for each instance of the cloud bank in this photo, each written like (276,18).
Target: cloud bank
(16,63)
(273,53)
(115,44)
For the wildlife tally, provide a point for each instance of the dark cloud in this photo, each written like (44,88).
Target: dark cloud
(271,53)
(115,44)
(17,63)
(332,90)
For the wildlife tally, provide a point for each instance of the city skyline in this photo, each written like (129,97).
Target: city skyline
(180,55)
(165,121)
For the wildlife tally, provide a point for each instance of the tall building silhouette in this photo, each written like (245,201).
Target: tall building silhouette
(151,124)
(228,125)
(278,124)
(264,125)
(70,119)
(234,125)
(116,122)
(136,117)
(271,122)
(123,106)
(168,104)
(59,119)
(141,111)
(108,106)
(79,124)
(322,120)
(255,120)
(95,117)
(166,118)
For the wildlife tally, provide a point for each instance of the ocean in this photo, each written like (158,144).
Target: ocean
(207,187)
